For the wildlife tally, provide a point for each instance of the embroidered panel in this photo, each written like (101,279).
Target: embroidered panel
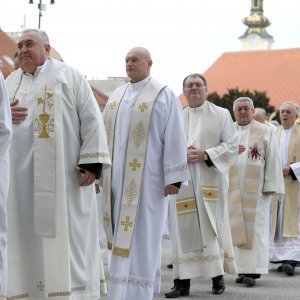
(194,259)
(176,169)
(16,297)
(139,282)
(94,155)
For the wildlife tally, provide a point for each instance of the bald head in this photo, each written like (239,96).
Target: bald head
(260,115)
(138,64)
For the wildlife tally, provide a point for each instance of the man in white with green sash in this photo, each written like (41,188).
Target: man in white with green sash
(200,231)
(254,179)
(57,151)
(285,244)
(5,137)
(144,126)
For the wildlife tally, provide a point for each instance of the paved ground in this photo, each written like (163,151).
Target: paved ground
(275,286)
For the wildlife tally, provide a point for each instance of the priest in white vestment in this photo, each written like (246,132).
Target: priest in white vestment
(58,149)
(254,179)
(285,243)
(200,231)
(145,135)
(5,137)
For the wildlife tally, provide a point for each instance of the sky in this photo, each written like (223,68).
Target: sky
(183,36)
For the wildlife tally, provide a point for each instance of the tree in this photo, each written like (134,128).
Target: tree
(260,99)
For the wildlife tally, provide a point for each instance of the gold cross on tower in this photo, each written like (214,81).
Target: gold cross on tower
(106,219)
(134,164)
(143,106)
(126,223)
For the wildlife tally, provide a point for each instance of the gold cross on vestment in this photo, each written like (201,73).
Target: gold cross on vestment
(134,164)
(40,286)
(126,223)
(106,219)
(113,105)
(143,106)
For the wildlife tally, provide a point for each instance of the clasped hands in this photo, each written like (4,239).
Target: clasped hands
(18,113)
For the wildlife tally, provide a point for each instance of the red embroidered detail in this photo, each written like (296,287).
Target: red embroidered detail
(186,205)
(253,152)
(210,194)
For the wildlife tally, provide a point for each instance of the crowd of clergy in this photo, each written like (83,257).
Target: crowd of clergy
(229,190)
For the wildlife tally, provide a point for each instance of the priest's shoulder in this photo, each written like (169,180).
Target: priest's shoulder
(217,107)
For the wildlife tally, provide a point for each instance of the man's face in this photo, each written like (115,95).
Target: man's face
(32,52)
(243,113)
(138,65)
(288,116)
(195,91)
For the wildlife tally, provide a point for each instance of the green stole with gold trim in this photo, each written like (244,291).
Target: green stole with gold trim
(120,240)
(242,203)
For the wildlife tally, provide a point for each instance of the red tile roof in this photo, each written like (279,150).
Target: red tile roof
(277,72)
(7,49)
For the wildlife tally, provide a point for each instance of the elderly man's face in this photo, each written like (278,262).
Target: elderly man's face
(288,116)
(138,65)
(243,113)
(195,91)
(32,52)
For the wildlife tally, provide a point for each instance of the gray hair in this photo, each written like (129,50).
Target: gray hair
(42,34)
(292,104)
(243,99)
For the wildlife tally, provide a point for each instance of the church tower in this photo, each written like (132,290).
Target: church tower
(256,36)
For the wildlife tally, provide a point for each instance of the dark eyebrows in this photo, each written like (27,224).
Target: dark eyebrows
(25,42)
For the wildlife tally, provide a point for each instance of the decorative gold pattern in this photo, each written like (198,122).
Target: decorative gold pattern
(134,164)
(106,189)
(210,193)
(78,289)
(140,282)
(194,259)
(109,131)
(44,124)
(139,134)
(126,223)
(186,206)
(131,192)
(143,106)
(106,219)
(21,296)
(58,294)
(40,286)
(94,155)
(121,252)
(113,104)
(176,169)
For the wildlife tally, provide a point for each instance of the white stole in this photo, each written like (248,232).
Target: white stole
(135,161)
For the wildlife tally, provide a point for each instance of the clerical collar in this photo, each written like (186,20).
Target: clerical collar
(198,108)
(40,69)
(140,84)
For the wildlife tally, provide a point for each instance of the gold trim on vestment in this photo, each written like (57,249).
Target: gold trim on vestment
(94,155)
(194,259)
(184,206)
(121,252)
(21,296)
(78,289)
(59,294)
(210,193)
(109,246)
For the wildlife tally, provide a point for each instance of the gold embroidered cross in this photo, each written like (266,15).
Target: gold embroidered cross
(126,223)
(106,219)
(40,286)
(113,105)
(134,164)
(143,106)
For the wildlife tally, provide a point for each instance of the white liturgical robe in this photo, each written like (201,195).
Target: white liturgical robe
(5,137)
(262,153)
(284,245)
(65,264)
(209,128)
(136,276)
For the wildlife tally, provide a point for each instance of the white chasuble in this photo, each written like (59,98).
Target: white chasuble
(136,276)
(53,245)
(285,243)
(5,138)
(263,175)
(208,206)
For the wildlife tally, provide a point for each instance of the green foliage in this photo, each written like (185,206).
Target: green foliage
(260,99)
